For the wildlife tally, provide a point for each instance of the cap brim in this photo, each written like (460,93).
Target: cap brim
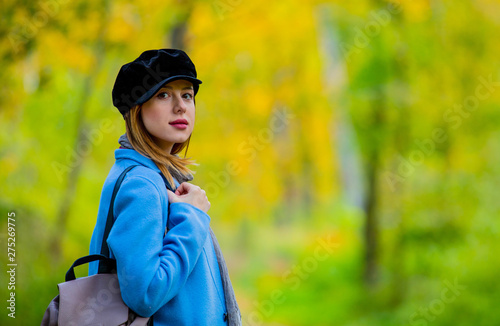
(152,91)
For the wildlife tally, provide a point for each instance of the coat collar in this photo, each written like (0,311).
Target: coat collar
(180,177)
(131,154)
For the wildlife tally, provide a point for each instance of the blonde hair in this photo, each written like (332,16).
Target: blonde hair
(142,142)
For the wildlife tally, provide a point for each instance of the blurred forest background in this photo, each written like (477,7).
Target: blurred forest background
(350,149)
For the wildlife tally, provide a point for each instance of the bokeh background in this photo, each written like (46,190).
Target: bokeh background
(350,149)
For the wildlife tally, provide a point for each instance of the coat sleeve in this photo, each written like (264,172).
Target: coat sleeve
(151,268)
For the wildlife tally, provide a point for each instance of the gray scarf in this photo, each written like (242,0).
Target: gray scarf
(233,311)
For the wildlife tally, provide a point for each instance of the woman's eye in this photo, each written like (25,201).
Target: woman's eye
(163,95)
(189,96)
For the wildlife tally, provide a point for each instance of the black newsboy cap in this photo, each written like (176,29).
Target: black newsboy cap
(139,80)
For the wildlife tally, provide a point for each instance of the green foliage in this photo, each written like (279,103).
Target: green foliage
(363,106)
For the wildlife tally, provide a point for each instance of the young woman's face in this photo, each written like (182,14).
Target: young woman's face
(173,102)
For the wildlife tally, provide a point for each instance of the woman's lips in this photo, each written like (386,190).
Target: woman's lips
(179,125)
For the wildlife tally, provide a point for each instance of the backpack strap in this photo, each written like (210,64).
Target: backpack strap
(103,267)
(105,264)
(167,184)
(169,187)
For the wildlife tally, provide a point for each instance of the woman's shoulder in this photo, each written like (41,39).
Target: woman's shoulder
(139,175)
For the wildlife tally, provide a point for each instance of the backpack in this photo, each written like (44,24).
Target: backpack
(94,299)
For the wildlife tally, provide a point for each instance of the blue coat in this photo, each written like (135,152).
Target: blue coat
(175,278)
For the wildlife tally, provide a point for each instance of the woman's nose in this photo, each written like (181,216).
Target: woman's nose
(179,103)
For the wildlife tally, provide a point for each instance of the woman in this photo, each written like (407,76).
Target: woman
(178,277)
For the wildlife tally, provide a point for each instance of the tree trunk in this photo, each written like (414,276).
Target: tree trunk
(81,130)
